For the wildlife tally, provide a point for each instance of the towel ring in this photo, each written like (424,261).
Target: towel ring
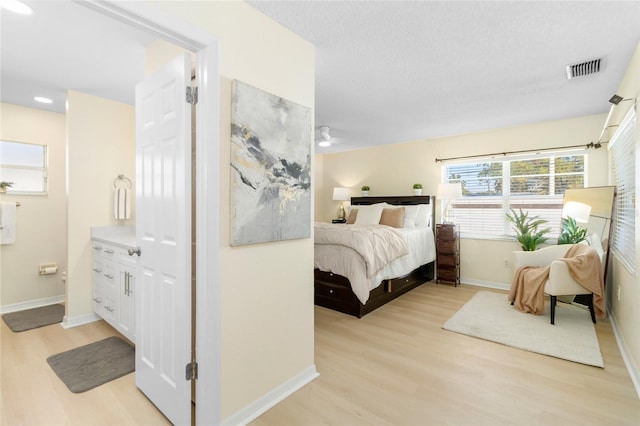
(124,179)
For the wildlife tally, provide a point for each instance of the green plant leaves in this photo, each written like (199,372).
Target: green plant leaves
(571,232)
(526,228)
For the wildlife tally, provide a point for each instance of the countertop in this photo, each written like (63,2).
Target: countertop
(124,235)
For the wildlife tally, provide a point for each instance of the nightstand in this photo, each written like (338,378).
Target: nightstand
(447,253)
(338,220)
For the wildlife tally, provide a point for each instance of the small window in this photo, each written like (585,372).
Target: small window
(25,165)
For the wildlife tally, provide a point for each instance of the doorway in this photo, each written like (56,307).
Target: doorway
(207,192)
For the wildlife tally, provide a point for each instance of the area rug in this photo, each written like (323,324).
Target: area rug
(490,316)
(94,364)
(34,318)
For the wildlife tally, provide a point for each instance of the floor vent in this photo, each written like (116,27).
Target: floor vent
(585,68)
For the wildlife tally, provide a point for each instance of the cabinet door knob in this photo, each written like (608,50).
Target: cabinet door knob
(134,251)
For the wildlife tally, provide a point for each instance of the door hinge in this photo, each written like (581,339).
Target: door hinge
(191,371)
(192,95)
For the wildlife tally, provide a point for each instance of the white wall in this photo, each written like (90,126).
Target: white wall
(266,289)
(101,145)
(41,225)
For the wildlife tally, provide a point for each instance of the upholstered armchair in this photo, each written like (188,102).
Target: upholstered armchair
(560,281)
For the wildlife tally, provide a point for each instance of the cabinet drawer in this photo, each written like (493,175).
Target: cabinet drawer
(109,252)
(330,291)
(447,246)
(448,274)
(97,250)
(447,260)
(446,232)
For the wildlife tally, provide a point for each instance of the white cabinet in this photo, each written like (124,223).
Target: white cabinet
(126,318)
(114,282)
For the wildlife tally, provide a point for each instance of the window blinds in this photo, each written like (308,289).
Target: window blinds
(492,188)
(622,158)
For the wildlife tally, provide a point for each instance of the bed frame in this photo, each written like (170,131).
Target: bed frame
(333,291)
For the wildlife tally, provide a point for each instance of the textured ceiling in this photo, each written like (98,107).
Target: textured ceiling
(391,71)
(386,71)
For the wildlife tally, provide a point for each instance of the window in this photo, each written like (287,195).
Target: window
(534,184)
(25,165)
(622,158)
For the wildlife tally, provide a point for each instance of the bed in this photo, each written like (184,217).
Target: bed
(339,277)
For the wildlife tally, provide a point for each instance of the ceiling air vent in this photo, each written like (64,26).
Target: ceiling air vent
(585,68)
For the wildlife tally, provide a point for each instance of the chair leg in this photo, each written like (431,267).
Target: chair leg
(591,310)
(553,309)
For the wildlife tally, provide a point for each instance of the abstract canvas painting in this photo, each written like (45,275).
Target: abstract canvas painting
(270,167)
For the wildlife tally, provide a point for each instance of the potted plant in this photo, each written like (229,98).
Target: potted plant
(417,189)
(571,232)
(4,185)
(365,190)
(526,228)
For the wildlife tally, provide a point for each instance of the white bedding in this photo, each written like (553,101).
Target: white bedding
(345,261)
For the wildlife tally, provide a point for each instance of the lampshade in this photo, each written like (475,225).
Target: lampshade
(341,194)
(449,191)
(580,212)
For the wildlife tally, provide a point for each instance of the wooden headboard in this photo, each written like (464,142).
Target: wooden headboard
(400,200)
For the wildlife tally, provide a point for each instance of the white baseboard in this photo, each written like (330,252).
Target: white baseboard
(79,320)
(632,367)
(264,403)
(30,304)
(487,284)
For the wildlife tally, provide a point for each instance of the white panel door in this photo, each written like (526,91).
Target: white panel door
(163,234)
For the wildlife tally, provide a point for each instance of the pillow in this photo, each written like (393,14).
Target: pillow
(352,216)
(410,215)
(369,215)
(424,215)
(392,217)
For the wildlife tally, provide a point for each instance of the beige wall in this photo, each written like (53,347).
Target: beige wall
(40,221)
(626,311)
(267,289)
(101,145)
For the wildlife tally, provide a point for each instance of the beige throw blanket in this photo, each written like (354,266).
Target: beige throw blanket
(527,288)
(376,244)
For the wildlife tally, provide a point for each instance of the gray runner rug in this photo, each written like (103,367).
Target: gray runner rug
(94,364)
(34,318)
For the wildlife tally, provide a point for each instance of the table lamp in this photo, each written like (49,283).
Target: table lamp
(447,192)
(342,195)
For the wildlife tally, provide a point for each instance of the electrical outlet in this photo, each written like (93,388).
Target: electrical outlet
(618,293)
(506,263)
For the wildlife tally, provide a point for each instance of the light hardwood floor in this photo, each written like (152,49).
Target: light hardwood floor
(32,394)
(395,366)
